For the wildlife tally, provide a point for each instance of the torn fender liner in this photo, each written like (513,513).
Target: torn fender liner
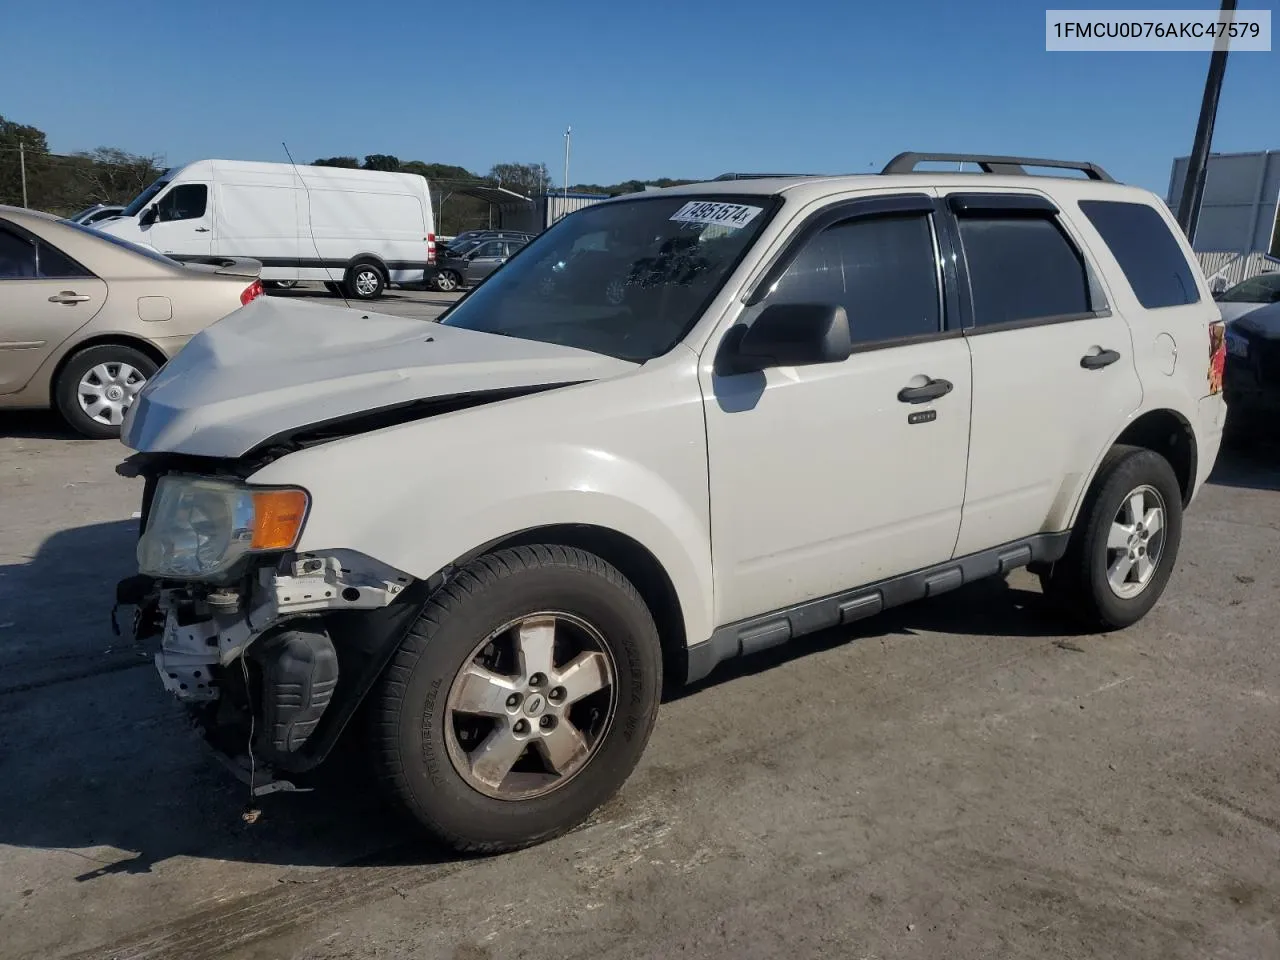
(299,673)
(277,365)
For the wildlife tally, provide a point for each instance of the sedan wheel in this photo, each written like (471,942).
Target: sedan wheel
(96,388)
(107,390)
(447,281)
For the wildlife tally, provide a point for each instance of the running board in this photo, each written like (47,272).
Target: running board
(780,626)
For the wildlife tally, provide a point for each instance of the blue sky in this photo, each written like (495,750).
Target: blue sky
(682,89)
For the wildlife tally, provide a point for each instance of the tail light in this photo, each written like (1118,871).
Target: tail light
(251,293)
(1217,355)
(431,248)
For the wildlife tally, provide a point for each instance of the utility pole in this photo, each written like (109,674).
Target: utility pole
(1198,162)
(567,135)
(22,164)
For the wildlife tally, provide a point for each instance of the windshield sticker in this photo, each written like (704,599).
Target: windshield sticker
(734,215)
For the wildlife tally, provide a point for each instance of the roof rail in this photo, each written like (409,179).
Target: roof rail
(1014,166)
(761,176)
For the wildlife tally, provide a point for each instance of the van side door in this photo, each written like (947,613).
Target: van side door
(183,225)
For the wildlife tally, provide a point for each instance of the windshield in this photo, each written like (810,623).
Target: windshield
(142,199)
(626,279)
(1260,289)
(127,244)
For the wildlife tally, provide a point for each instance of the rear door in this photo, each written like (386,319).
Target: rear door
(184,223)
(45,296)
(1053,366)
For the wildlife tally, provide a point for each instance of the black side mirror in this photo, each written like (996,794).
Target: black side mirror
(149,216)
(789,335)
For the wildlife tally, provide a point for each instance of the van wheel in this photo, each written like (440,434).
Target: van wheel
(521,699)
(1125,543)
(364,281)
(447,281)
(98,385)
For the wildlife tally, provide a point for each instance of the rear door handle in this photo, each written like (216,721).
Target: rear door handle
(69,296)
(923,394)
(1096,361)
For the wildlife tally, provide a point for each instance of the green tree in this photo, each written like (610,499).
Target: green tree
(529,179)
(382,161)
(13,138)
(351,163)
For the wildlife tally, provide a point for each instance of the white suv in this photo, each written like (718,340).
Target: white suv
(678,427)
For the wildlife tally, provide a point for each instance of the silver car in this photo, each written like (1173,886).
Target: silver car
(86,319)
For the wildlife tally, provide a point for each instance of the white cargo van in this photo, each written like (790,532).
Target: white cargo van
(360,229)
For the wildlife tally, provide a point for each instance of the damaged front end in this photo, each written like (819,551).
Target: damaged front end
(271,650)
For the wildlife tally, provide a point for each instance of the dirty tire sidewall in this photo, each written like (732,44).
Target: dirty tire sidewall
(1078,583)
(353,290)
(410,710)
(65,389)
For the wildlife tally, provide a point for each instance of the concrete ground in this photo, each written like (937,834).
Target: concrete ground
(957,779)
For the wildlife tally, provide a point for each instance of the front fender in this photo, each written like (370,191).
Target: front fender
(421,495)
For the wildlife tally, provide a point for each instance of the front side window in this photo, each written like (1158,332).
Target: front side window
(1022,268)
(187,201)
(882,270)
(633,289)
(1149,255)
(489,251)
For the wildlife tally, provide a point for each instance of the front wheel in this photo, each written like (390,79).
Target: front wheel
(447,281)
(1125,544)
(521,700)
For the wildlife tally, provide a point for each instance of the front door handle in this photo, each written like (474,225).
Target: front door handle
(69,296)
(923,394)
(202,229)
(1096,361)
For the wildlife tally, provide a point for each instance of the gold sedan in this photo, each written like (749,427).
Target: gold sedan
(86,319)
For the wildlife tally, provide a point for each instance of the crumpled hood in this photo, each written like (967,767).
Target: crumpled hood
(277,365)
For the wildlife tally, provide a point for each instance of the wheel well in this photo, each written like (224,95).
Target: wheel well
(1168,434)
(107,339)
(636,563)
(373,258)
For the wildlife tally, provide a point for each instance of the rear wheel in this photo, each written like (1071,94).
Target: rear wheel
(364,281)
(98,385)
(521,700)
(1125,544)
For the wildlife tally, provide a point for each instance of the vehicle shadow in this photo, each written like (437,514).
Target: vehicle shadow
(37,425)
(1252,467)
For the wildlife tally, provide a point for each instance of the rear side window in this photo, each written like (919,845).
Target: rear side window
(1022,268)
(24,259)
(1146,250)
(882,270)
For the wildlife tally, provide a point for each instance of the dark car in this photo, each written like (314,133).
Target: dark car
(468,266)
(1251,380)
(469,238)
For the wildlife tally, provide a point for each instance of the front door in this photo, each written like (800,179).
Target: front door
(827,477)
(487,258)
(44,298)
(184,222)
(1053,367)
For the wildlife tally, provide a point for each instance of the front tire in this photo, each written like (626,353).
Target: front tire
(447,281)
(1125,543)
(98,385)
(365,281)
(521,700)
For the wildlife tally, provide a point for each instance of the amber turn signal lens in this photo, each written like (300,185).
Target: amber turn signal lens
(277,518)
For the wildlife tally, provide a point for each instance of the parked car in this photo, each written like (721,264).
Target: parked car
(821,397)
(1252,379)
(1249,295)
(87,319)
(468,237)
(363,229)
(469,265)
(96,214)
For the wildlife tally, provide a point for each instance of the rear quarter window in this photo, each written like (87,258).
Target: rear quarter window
(1147,251)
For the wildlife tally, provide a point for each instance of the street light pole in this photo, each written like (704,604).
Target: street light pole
(1198,162)
(22,163)
(567,135)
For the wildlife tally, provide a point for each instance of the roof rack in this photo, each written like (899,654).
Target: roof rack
(1010,166)
(761,176)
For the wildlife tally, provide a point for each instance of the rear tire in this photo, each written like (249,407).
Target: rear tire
(97,386)
(364,281)
(432,751)
(1125,543)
